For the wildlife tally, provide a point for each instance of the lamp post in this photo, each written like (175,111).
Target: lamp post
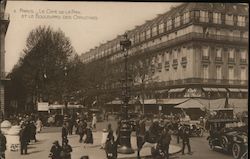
(125,129)
(65,95)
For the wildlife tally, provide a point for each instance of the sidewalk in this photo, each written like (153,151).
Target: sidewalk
(40,150)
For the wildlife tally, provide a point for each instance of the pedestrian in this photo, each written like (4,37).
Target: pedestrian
(71,125)
(2,145)
(140,134)
(164,142)
(179,132)
(110,132)
(81,129)
(33,131)
(185,140)
(39,125)
(55,150)
(94,121)
(66,150)
(24,139)
(64,133)
(89,136)
(111,148)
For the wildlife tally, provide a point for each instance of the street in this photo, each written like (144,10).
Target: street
(199,147)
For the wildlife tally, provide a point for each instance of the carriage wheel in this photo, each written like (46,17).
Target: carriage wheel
(236,151)
(211,145)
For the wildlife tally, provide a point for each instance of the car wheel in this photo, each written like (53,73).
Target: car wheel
(224,143)
(211,145)
(236,150)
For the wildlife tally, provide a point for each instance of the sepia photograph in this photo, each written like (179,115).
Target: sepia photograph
(123,80)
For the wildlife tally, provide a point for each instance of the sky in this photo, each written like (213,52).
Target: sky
(87,24)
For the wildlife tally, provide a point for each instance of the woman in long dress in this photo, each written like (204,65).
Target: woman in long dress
(39,125)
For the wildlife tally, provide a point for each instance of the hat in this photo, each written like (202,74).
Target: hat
(56,142)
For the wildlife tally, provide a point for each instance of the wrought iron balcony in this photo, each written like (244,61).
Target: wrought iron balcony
(231,60)
(184,60)
(243,61)
(175,63)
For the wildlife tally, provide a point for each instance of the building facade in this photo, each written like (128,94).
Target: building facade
(194,50)
(4,23)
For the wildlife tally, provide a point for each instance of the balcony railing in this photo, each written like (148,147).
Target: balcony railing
(4,16)
(243,61)
(231,60)
(218,58)
(205,81)
(184,60)
(175,63)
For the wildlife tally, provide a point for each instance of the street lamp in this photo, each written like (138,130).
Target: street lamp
(125,129)
(65,95)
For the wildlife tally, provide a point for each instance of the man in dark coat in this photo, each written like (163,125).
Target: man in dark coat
(67,149)
(164,142)
(140,134)
(64,133)
(24,139)
(2,145)
(81,129)
(55,150)
(185,140)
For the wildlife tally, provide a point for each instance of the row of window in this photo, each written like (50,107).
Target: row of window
(202,16)
(231,72)
(231,53)
(163,26)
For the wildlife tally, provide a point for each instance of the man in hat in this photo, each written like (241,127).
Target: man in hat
(64,132)
(94,121)
(24,139)
(67,149)
(55,150)
(2,145)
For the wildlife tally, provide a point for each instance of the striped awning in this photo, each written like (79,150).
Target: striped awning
(222,90)
(176,90)
(234,89)
(244,90)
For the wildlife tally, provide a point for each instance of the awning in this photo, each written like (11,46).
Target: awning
(176,90)
(234,89)
(172,101)
(149,101)
(191,103)
(244,90)
(119,102)
(239,105)
(115,102)
(206,89)
(222,90)
(214,89)
(161,91)
(56,106)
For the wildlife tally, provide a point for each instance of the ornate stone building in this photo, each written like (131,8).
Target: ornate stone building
(4,23)
(196,50)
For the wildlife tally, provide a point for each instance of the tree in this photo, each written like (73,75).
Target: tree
(41,67)
(143,75)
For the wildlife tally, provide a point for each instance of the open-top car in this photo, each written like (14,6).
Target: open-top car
(228,135)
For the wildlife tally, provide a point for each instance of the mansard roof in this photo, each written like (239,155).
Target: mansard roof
(229,8)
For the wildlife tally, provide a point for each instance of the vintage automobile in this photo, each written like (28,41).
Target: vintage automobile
(228,135)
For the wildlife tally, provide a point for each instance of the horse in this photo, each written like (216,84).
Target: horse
(151,136)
